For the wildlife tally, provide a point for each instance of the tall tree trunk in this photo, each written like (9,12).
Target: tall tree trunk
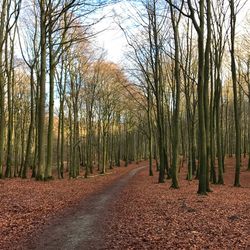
(235,94)
(212,127)
(41,113)
(206,88)
(218,130)
(201,107)
(2,91)
(50,136)
(48,170)
(175,23)
(248,78)
(150,143)
(27,161)
(9,72)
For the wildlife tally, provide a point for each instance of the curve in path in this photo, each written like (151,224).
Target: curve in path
(83,228)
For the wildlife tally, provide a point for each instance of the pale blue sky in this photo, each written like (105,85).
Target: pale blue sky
(113,40)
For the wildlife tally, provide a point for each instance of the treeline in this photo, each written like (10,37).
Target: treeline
(193,63)
(63,107)
(186,99)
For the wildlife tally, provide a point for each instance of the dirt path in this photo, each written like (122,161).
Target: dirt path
(83,227)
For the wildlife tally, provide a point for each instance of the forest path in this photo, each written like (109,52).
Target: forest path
(84,227)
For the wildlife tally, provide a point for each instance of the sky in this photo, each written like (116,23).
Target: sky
(112,38)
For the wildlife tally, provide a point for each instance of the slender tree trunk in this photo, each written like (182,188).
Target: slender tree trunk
(48,170)
(2,91)
(201,111)
(212,127)
(248,167)
(218,131)
(176,140)
(206,88)
(150,143)
(104,150)
(235,94)
(248,77)
(62,140)
(27,161)
(41,113)
(98,144)
(9,72)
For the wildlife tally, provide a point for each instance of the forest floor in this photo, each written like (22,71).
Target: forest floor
(149,215)
(124,210)
(27,206)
